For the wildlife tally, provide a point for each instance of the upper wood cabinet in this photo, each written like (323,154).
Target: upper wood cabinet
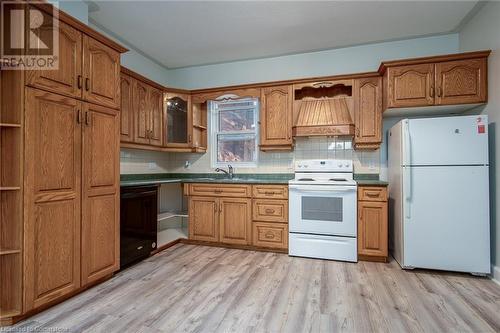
(142,112)
(126,109)
(444,80)
(88,69)
(411,85)
(155,105)
(178,120)
(276,118)
(67,79)
(368,113)
(101,188)
(101,71)
(461,81)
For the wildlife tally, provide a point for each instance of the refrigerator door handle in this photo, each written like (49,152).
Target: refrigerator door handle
(407,169)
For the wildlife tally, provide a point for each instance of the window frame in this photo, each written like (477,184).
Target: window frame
(215,131)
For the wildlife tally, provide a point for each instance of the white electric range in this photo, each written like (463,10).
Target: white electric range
(322,210)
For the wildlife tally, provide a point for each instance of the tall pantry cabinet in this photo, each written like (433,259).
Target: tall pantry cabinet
(59,168)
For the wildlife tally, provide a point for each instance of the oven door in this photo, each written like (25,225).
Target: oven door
(323,209)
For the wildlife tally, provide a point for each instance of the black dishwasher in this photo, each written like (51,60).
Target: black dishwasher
(138,223)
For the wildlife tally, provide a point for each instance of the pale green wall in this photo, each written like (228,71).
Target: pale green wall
(364,58)
(76,8)
(483,32)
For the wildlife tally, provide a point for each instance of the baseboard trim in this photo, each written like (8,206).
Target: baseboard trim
(495,276)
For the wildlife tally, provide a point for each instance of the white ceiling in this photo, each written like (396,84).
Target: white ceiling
(188,33)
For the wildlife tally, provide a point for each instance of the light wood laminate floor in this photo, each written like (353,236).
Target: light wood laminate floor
(190,288)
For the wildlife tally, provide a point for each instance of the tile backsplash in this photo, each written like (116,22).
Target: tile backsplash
(141,161)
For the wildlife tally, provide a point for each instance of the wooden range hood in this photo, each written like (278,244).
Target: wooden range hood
(323,109)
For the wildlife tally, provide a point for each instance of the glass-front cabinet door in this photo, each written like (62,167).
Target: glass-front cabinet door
(178,122)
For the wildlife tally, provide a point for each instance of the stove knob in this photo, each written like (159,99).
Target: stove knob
(347,165)
(340,165)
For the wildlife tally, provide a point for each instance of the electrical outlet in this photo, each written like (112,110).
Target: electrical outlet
(187,165)
(151,165)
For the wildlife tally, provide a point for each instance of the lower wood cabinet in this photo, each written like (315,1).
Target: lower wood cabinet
(224,220)
(218,217)
(270,235)
(204,219)
(372,223)
(235,220)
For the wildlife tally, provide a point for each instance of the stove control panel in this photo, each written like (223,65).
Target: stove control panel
(324,166)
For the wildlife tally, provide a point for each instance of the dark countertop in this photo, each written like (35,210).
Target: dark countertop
(152,179)
(369,180)
(267,178)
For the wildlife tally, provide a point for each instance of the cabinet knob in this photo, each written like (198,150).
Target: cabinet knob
(270,211)
(87,118)
(87,84)
(440,92)
(431,91)
(79,117)
(79,82)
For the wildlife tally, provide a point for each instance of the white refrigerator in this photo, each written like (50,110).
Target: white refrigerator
(439,193)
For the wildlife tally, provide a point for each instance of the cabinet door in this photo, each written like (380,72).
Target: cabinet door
(52,196)
(372,228)
(235,221)
(101,189)
(178,120)
(67,79)
(461,82)
(101,71)
(411,85)
(204,219)
(141,113)
(156,116)
(126,109)
(368,112)
(276,116)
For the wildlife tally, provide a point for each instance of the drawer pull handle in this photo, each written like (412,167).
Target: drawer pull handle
(270,211)
(371,194)
(269,235)
(140,247)
(269,193)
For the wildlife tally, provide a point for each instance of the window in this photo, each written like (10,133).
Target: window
(234,132)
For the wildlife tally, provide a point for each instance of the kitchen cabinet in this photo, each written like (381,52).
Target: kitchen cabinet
(88,69)
(155,104)
(101,189)
(178,122)
(222,220)
(368,113)
(101,72)
(142,113)
(235,219)
(239,214)
(276,118)
(372,223)
(456,79)
(126,108)
(57,193)
(67,79)
(204,219)
(461,81)
(52,197)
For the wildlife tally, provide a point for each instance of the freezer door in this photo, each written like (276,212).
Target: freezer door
(446,141)
(447,223)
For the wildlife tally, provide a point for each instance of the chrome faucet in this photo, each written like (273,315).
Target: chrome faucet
(229,173)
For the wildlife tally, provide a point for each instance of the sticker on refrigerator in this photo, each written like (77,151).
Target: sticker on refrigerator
(481,129)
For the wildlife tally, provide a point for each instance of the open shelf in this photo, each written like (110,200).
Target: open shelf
(168,215)
(4,252)
(10,285)
(199,127)
(11,188)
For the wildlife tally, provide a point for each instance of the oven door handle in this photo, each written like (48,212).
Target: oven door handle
(317,188)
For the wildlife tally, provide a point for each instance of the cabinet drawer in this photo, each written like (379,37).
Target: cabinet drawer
(220,190)
(270,191)
(372,193)
(270,210)
(272,235)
